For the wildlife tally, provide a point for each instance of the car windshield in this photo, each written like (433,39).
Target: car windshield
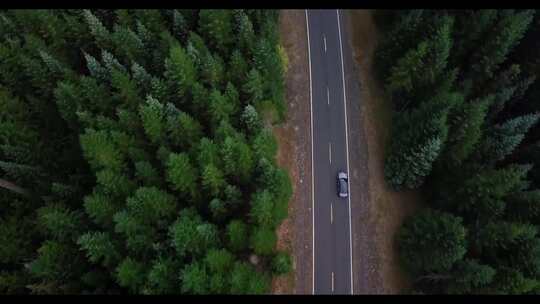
(342,185)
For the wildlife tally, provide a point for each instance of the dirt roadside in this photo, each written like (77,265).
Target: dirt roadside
(294,154)
(387,209)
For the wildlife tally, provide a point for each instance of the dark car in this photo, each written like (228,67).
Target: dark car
(343,184)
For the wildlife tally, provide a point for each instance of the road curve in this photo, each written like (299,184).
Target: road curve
(332,245)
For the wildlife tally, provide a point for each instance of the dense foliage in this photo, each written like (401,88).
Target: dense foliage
(135,153)
(465,133)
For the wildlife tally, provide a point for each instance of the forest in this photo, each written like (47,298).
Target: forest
(466,103)
(136,151)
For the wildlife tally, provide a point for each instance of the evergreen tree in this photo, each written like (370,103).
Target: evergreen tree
(99,247)
(470,276)
(130,274)
(217,27)
(181,174)
(237,235)
(431,241)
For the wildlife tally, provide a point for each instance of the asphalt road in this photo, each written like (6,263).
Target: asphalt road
(332,273)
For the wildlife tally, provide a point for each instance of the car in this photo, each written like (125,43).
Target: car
(343,184)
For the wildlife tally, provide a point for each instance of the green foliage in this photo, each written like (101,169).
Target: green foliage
(237,235)
(163,277)
(135,131)
(100,150)
(507,32)
(461,96)
(153,119)
(253,86)
(180,71)
(282,263)
(195,279)
(431,241)
(470,276)
(130,274)
(101,208)
(181,174)
(190,235)
(421,132)
(58,221)
(263,240)
(213,180)
(217,27)
(504,138)
(99,247)
(482,194)
(465,131)
(246,280)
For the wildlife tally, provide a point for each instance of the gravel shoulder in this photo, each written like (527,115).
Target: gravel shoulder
(379,212)
(294,154)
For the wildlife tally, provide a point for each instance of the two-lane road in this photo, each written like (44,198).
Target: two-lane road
(332,252)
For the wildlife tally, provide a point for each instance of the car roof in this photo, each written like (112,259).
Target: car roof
(342,186)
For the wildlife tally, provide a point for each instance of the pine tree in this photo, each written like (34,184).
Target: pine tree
(153,118)
(212,70)
(180,71)
(114,183)
(422,133)
(220,109)
(245,33)
(150,205)
(511,281)
(181,174)
(237,68)
(99,248)
(98,30)
(483,193)
(465,130)
(183,130)
(503,235)
(237,235)
(195,279)
(431,241)
(213,180)
(405,73)
(282,263)
(208,153)
(100,150)
(263,240)
(251,119)
(503,138)
(524,206)
(253,86)
(163,277)
(101,208)
(131,274)
(507,32)
(190,235)
(469,277)
(237,159)
(217,27)
(59,222)
(145,172)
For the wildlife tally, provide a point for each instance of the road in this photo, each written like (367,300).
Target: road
(332,252)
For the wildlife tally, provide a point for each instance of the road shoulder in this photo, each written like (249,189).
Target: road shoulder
(381,211)
(294,154)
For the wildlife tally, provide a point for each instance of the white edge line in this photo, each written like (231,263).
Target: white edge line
(312,175)
(347,146)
